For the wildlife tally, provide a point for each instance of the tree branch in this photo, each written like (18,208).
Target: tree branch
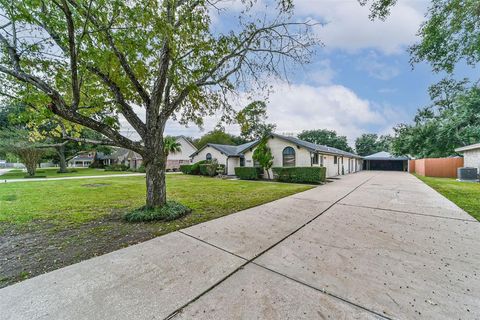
(120,56)
(125,108)
(73,54)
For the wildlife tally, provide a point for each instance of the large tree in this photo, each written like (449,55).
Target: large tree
(369,143)
(252,121)
(327,138)
(439,129)
(218,136)
(89,62)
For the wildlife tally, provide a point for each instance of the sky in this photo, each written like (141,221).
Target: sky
(360,81)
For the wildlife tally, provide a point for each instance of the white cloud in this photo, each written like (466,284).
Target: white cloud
(301,107)
(298,107)
(348,26)
(375,68)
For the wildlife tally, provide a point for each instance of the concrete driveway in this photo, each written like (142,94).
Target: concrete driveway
(373,245)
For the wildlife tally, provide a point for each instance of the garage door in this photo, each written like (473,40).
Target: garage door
(386,165)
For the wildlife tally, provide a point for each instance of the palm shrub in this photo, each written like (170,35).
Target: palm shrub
(170,145)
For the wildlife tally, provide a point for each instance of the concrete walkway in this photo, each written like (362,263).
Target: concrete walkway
(3,171)
(72,178)
(373,245)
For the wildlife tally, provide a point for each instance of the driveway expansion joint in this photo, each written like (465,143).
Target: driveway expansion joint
(408,212)
(178,310)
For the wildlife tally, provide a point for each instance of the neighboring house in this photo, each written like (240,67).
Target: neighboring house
(175,160)
(385,161)
(228,155)
(133,160)
(471,155)
(287,152)
(83,160)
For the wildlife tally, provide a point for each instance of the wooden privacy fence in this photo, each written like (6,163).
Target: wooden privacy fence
(436,167)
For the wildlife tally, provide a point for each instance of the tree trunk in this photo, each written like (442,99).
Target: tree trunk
(63,162)
(155,179)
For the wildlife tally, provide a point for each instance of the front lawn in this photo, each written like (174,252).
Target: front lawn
(50,224)
(466,195)
(53,173)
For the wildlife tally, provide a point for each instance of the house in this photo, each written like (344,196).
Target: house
(471,155)
(228,155)
(175,160)
(82,160)
(385,161)
(287,152)
(134,160)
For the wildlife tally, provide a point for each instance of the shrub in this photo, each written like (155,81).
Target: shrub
(203,169)
(196,167)
(172,210)
(220,169)
(117,167)
(186,168)
(141,169)
(300,174)
(248,173)
(211,168)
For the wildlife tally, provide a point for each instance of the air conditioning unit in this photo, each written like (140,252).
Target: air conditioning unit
(467,174)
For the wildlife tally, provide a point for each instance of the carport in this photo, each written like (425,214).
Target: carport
(385,161)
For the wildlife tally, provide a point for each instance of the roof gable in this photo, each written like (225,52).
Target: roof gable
(384,155)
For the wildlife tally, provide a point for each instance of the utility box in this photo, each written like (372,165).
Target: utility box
(467,174)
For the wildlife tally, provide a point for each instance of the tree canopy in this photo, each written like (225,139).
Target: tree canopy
(252,121)
(326,137)
(438,130)
(370,143)
(218,136)
(92,62)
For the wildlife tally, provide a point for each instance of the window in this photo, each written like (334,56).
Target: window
(315,158)
(242,162)
(335,160)
(288,157)
(209,157)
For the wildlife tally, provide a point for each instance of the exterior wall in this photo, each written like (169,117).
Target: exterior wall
(472,158)
(303,158)
(202,155)
(232,163)
(186,150)
(302,155)
(437,167)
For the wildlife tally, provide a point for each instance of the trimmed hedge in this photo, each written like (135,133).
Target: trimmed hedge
(117,167)
(192,168)
(186,168)
(300,174)
(248,173)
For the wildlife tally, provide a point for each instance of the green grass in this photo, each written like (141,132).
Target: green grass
(466,195)
(79,201)
(74,220)
(53,173)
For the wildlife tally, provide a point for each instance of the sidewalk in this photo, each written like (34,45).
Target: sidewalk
(72,178)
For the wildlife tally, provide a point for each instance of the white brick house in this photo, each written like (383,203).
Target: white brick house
(286,151)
